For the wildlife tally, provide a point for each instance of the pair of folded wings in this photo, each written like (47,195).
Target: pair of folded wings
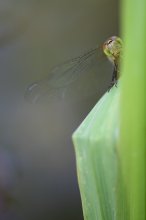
(63,75)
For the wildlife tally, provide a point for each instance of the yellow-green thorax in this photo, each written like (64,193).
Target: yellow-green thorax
(113,48)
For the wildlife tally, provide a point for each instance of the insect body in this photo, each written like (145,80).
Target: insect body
(63,75)
(113,48)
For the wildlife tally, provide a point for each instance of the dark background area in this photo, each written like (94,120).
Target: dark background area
(37,160)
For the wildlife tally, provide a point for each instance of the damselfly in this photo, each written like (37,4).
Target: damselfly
(62,76)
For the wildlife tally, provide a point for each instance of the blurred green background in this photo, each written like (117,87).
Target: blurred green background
(38,174)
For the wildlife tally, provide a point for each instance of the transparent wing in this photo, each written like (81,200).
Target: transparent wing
(62,76)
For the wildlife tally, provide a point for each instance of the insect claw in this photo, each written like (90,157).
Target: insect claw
(113,83)
(116,83)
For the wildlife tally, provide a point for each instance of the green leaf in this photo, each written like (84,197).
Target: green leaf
(97,158)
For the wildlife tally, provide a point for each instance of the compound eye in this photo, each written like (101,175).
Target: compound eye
(109,42)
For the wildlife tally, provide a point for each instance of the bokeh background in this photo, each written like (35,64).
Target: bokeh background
(37,161)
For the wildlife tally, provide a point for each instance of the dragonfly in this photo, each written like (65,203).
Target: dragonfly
(64,75)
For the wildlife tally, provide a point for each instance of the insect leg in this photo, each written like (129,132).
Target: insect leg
(114,78)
